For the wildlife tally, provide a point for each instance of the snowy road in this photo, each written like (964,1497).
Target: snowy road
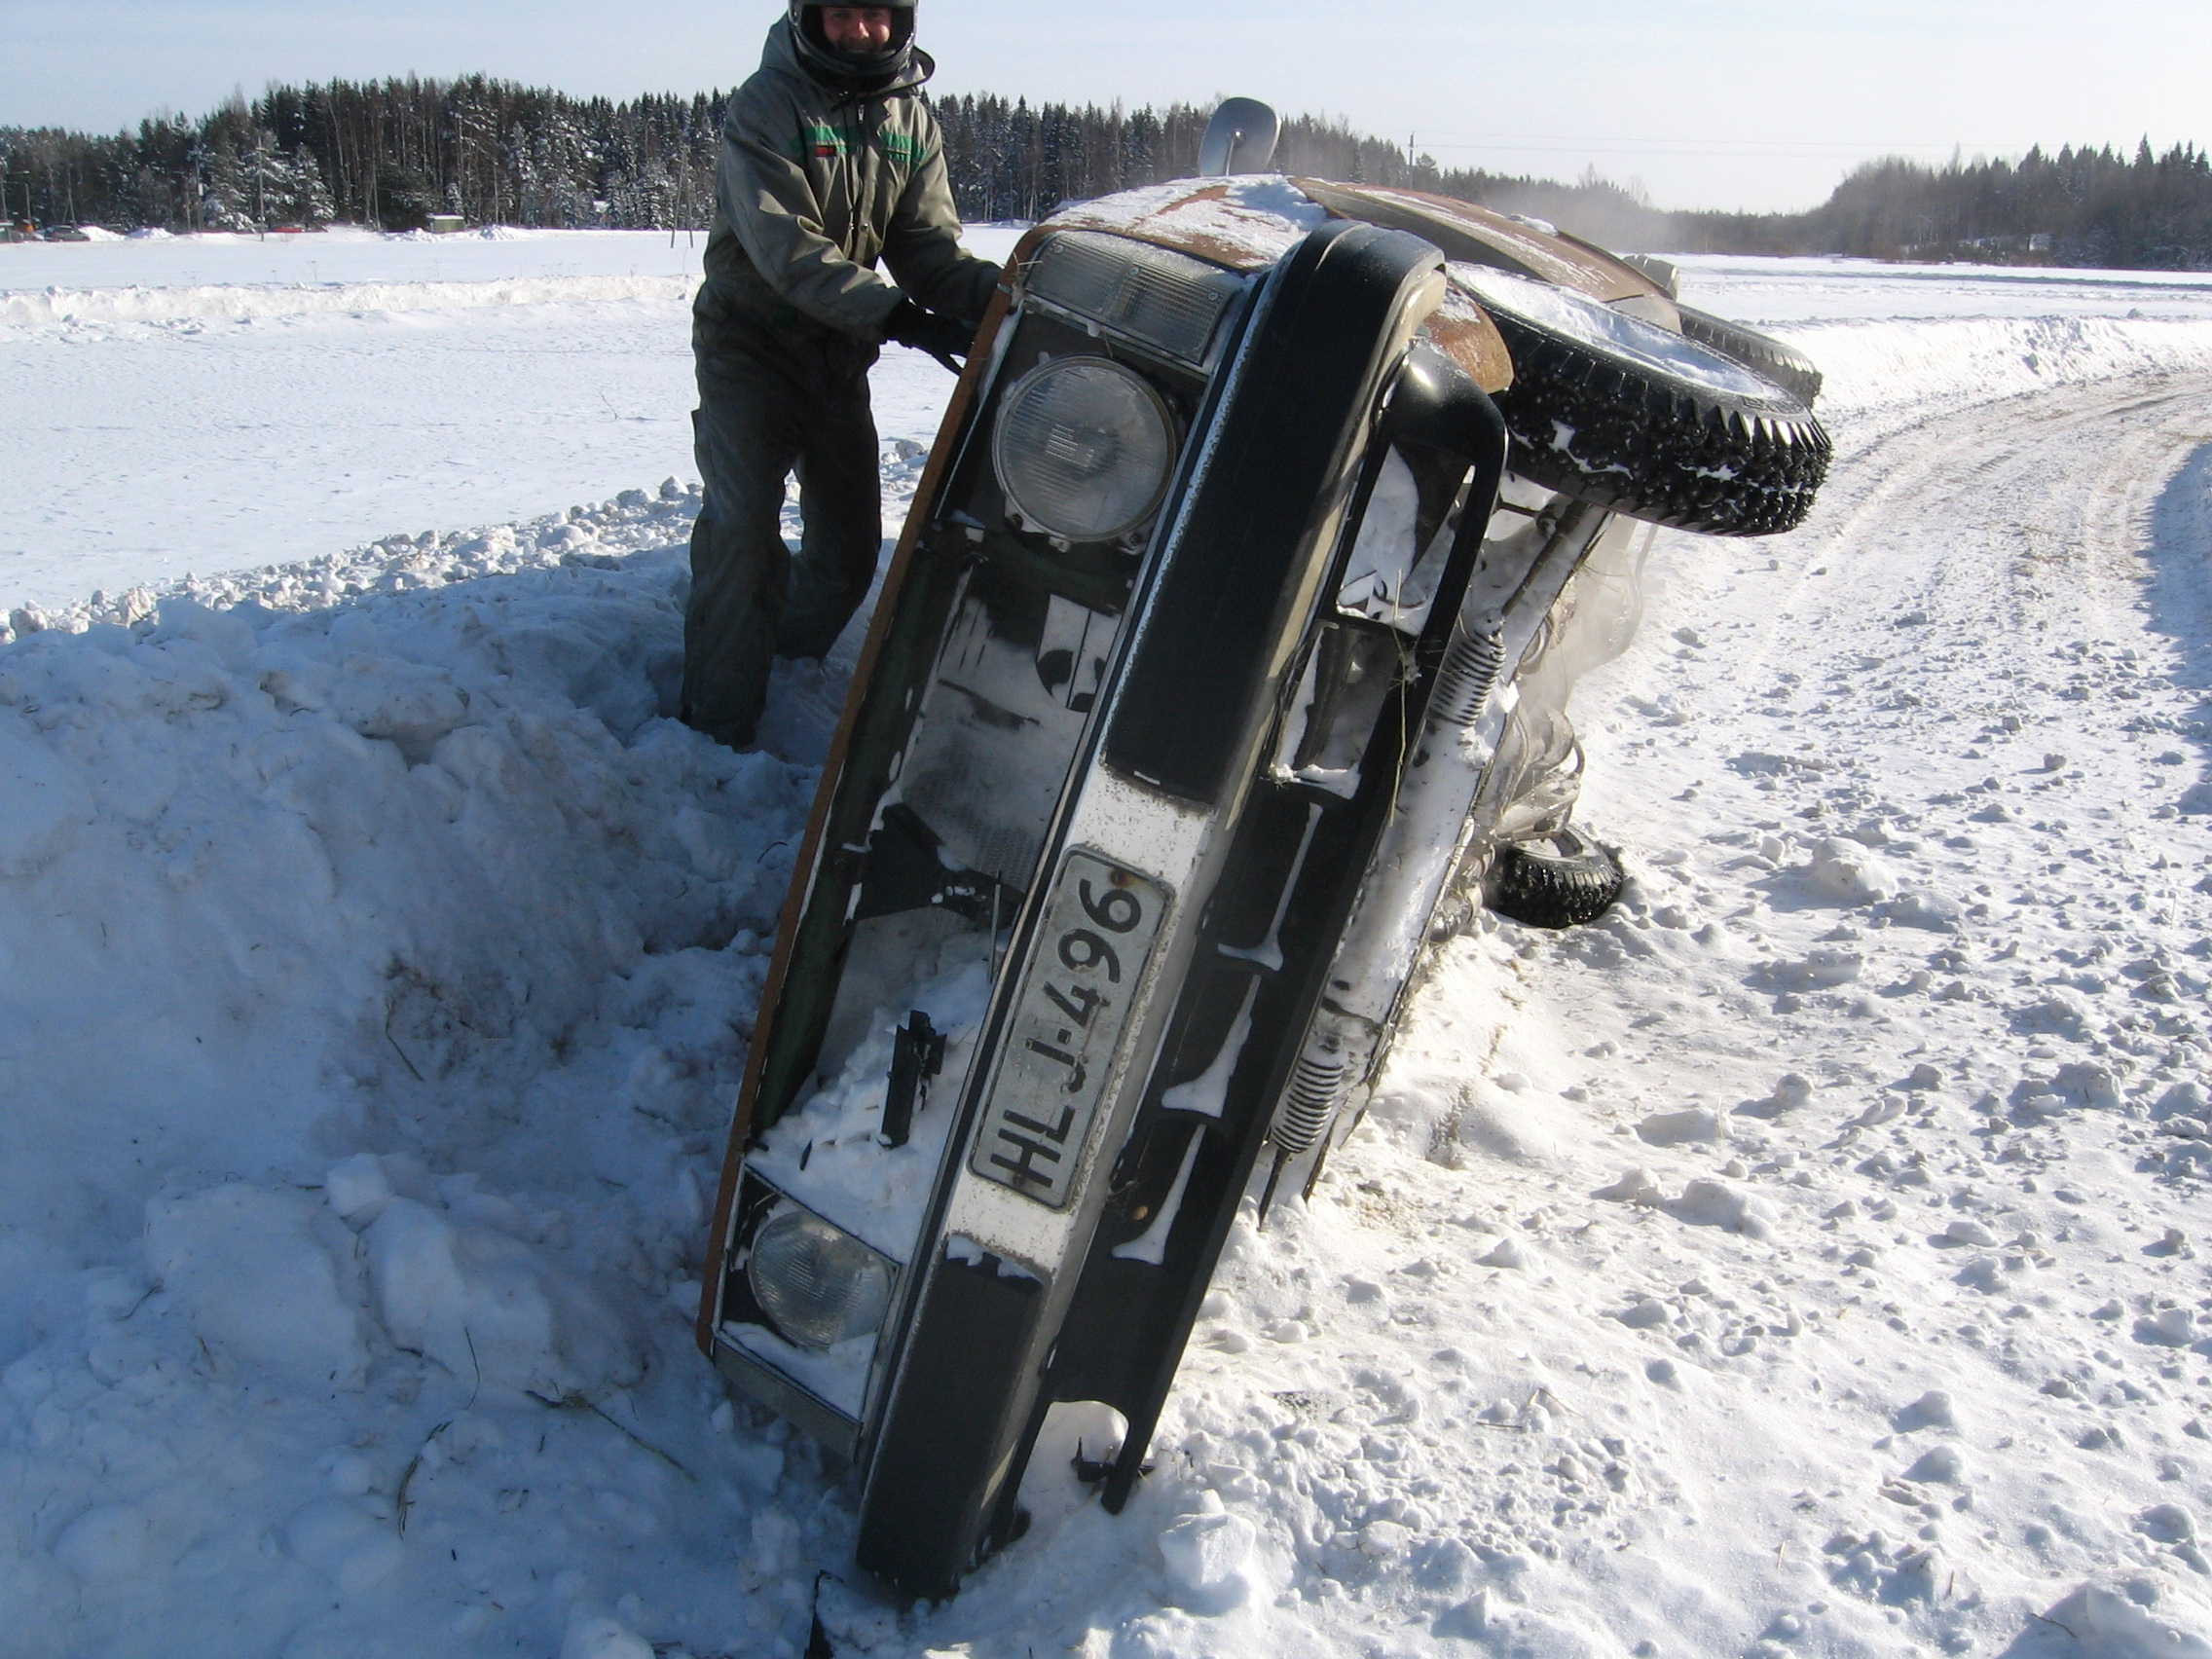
(1946,560)
(1809,1259)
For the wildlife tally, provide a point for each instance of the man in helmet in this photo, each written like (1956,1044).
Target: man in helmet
(830,161)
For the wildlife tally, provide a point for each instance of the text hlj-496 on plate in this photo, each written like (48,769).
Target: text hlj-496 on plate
(1098,932)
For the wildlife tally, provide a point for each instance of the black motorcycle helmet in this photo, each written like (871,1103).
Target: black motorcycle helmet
(853,71)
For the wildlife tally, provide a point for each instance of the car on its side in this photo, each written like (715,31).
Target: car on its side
(1207,682)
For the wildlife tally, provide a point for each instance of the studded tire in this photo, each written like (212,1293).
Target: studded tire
(1559,881)
(1610,409)
(1782,364)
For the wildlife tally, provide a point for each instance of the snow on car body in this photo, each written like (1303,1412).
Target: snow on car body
(1200,645)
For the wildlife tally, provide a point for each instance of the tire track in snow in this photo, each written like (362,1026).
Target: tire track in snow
(1956,521)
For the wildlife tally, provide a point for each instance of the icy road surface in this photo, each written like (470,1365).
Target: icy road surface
(1808,1259)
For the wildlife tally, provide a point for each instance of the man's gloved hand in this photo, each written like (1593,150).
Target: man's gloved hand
(941,336)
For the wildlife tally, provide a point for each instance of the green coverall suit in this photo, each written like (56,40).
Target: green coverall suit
(816,183)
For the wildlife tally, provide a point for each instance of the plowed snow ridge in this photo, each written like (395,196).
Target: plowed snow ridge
(81,306)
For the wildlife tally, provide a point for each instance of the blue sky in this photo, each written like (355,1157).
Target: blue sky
(1706,103)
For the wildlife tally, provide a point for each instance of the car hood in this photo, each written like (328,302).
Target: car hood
(1250,222)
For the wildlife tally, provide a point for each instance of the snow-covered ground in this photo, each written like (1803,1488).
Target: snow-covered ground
(1808,1259)
(364,383)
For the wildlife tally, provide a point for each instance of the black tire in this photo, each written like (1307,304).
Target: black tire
(1609,409)
(1782,364)
(1559,881)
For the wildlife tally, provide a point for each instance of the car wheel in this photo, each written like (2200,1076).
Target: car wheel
(1558,880)
(1782,364)
(1613,410)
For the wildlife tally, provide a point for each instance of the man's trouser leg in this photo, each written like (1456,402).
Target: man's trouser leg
(746,440)
(840,510)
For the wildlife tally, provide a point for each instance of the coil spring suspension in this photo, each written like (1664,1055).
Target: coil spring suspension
(1471,665)
(1316,1089)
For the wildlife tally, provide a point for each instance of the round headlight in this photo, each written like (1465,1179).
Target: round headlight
(818,1284)
(1083,448)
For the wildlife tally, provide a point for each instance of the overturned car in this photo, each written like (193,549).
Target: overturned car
(1203,688)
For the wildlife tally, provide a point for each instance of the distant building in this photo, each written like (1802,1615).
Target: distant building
(446,224)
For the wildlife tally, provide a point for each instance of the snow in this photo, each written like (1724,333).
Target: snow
(874,1191)
(368,385)
(1246,222)
(1806,1259)
(342,256)
(1610,332)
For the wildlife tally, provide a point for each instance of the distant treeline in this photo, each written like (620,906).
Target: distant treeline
(393,153)
(2152,212)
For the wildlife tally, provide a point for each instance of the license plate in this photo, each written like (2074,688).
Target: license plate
(1076,996)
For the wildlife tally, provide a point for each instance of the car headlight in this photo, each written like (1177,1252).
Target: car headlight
(817,1283)
(1083,448)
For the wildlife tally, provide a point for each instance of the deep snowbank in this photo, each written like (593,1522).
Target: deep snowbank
(317,854)
(376,973)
